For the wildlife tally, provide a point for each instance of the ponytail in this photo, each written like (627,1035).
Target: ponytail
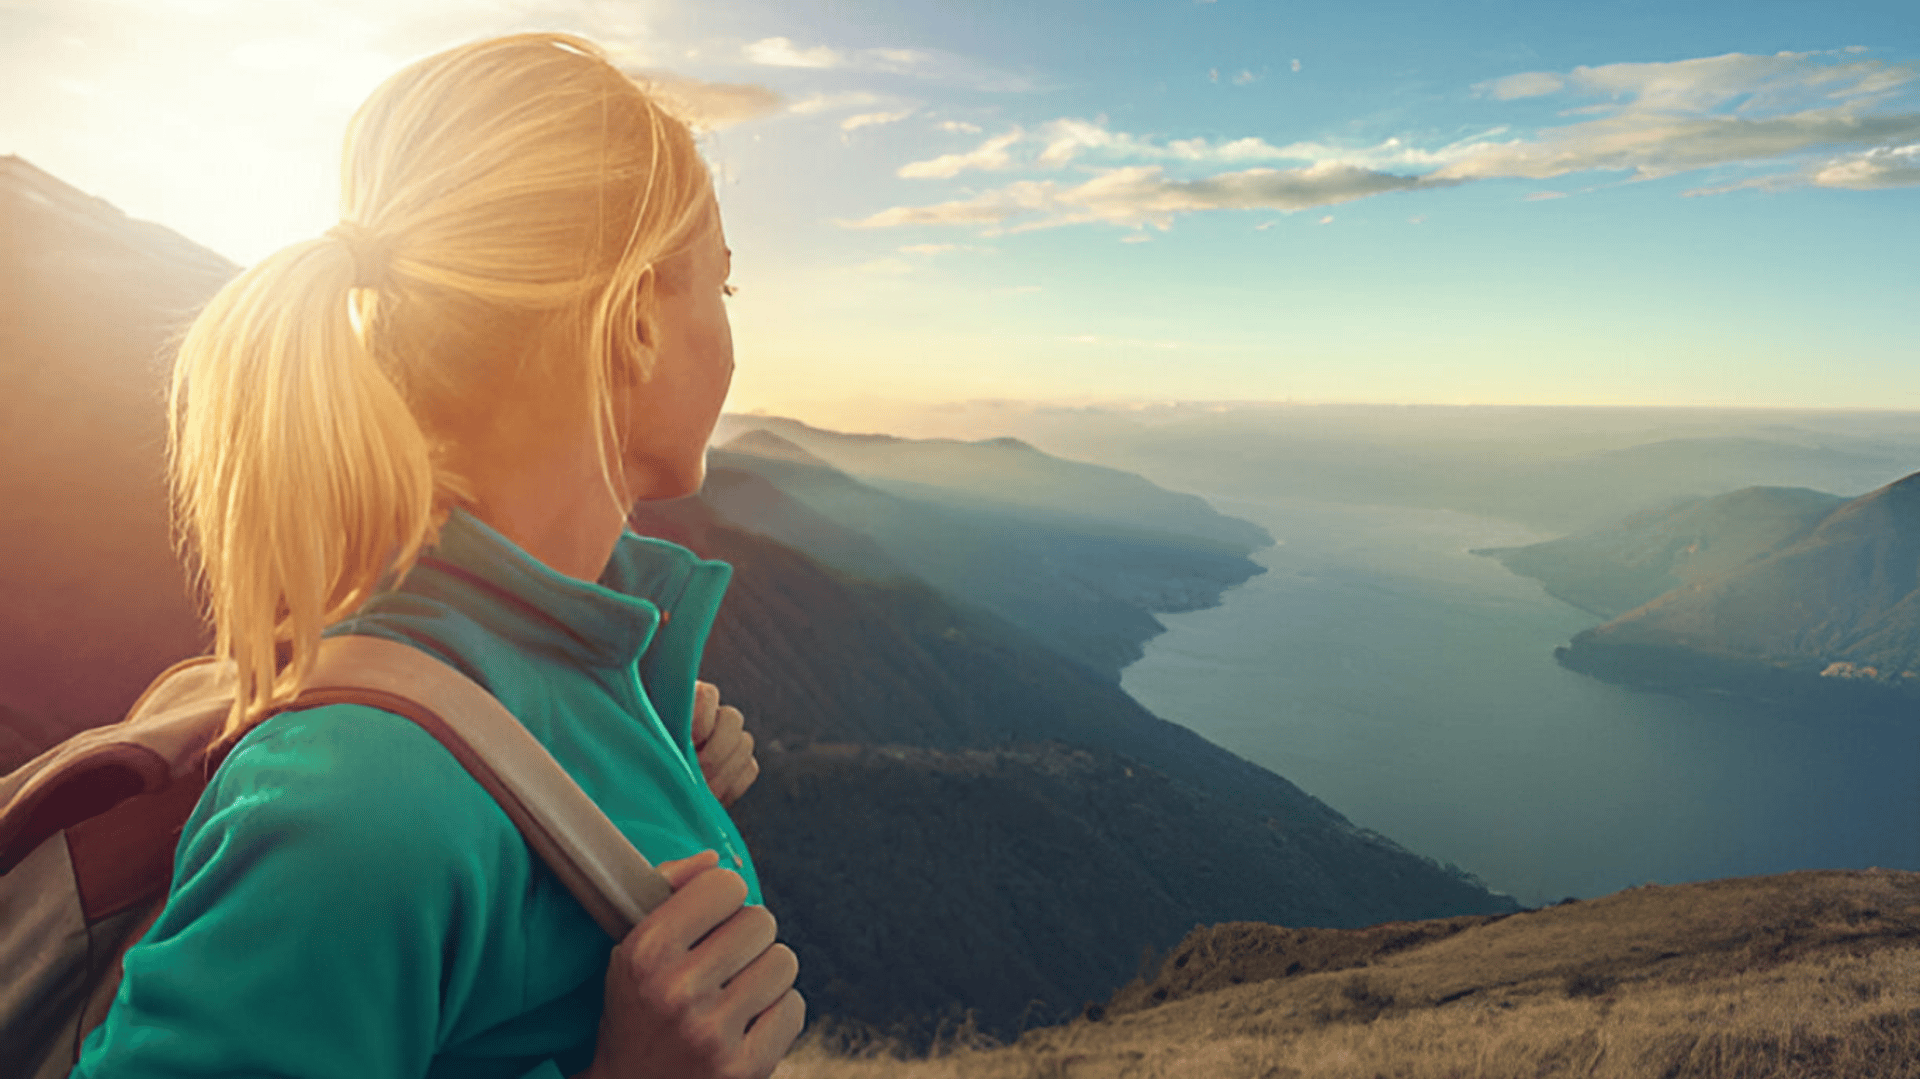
(507,205)
(296,464)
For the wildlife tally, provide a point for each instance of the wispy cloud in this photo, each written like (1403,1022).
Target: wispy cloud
(782,52)
(833,102)
(1656,119)
(1870,170)
(1067,139)
(991,154)
(930,64)
(1886,166)
(960,127)
(1678,116)
(874,119)
(709,105)
(1145,195)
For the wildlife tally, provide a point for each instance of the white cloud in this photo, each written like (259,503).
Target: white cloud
(1760,82)
(874,119)
(1136,238)
(1244,77)
(708,106)
(832,102)
(1327,220)
(1658,145)
(1526,84)
(1658,119)
(1143,195)
(1539,196)
(991,154)
(1881,167)
(929,64)
(1295,66)
(960,127)
(782,52)
(1871,170)
(901,57)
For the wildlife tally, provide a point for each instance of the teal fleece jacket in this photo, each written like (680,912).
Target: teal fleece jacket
(348,902)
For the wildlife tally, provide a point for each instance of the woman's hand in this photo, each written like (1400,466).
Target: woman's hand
(699,989)
(725,748)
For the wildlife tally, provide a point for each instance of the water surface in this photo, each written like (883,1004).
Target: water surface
(1412,686)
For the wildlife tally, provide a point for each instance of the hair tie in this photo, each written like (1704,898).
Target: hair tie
(370,254)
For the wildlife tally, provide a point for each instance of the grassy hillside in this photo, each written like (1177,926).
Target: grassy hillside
(1811,974)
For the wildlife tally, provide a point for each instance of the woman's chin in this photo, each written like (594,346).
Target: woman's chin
(663,486)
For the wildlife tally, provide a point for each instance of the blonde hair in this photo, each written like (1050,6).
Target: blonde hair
(508,208)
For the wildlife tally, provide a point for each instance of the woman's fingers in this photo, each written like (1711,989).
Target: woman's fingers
(730,950)
(696,908)
(774,1030)
(729,776)
(722,741)
(706,702)
(681,870)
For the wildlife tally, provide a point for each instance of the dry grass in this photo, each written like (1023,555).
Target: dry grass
(1814,975)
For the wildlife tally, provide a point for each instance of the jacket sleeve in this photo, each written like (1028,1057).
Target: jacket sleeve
(332,893)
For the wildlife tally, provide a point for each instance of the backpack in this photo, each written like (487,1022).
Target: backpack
(88,828)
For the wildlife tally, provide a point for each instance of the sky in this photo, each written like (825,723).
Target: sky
(1478,201)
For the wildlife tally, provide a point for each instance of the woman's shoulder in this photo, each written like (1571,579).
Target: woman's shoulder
(354,777)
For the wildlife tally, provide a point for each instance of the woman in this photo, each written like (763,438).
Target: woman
(429,425)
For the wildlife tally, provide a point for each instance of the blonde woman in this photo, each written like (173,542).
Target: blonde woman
(429,425)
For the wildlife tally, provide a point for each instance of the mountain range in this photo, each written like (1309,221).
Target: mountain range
(1773,593)
(1083,557)
(956,811)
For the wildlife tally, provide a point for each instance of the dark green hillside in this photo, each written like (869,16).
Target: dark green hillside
(1842,604)
(1088,589)
(1610,571)
(952,815)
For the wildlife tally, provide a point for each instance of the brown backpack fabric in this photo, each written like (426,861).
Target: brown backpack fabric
(88,828)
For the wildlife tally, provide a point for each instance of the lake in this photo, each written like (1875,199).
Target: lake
(1412,686)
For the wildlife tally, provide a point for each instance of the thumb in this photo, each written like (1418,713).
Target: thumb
(681,870)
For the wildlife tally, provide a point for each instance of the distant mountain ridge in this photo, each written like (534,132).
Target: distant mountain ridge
(1087,583)
(1775,593)
(1610,571)
(1011,473)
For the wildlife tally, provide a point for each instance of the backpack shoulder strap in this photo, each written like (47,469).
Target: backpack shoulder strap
(561,824)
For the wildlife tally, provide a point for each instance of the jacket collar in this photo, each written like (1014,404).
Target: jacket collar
(648,584)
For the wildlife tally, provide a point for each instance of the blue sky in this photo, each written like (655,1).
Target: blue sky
(1696,203)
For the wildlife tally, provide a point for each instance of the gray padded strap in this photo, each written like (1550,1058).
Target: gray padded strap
(600,857)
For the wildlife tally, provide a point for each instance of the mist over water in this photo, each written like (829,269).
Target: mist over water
(1412,686)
